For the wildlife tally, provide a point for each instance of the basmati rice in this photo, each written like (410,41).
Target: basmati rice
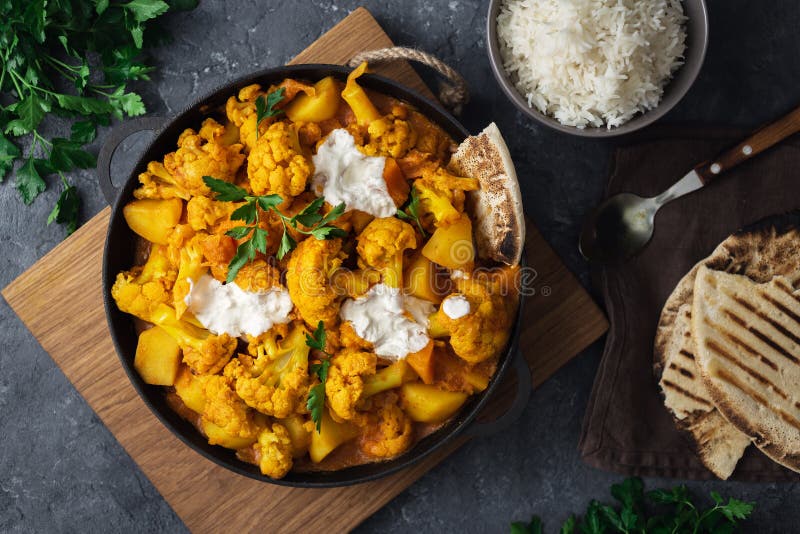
(591,62)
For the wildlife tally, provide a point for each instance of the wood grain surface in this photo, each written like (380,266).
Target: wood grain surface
(63,307)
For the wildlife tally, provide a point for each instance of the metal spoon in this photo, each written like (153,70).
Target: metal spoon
(622,225)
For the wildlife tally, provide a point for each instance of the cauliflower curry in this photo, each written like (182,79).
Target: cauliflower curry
(308,292)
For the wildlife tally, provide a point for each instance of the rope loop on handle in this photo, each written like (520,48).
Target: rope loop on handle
(453,95)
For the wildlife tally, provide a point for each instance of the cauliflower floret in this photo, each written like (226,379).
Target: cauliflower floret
(482,334)
(276,164)
(241,111)
(381,246)
(308,278)
(388,431)
(345,384)
(140,290)
(258,275)
(202,155)
(190,267)
(276,381)
(442,195)
(156,182)
(204,352)
(205,214)
(226,410)
(390,136)
(274,451)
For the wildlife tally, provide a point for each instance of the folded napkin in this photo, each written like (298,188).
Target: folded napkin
(627,428)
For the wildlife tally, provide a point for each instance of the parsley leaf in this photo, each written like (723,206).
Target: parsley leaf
(534,527)
(225,191)
(30,112)
(8,153)
(244,254)
(410,211)
(287,245)
(66,209)
(318,338)
(28,182)
(66,155)
(316,396)
(265,107)
(143,10)
(83,132)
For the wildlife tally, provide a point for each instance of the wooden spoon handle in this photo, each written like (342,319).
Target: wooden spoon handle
(764,138)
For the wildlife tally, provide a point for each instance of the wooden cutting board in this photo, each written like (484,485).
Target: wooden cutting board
(60,300)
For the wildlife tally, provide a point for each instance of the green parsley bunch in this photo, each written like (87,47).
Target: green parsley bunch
(74,59)
(662,511)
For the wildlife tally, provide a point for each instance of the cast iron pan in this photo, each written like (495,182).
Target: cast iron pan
(119,256)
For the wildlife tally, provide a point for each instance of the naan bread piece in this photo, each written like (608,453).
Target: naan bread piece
(768,248)
(499,227)
(748,351)
(719,444)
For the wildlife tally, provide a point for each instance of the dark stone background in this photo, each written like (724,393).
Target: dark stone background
(60,468)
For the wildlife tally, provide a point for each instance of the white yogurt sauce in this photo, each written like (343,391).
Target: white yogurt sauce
(228,309)
(343,174)
(458,274)
(379,317)
(420,309)
(456,306)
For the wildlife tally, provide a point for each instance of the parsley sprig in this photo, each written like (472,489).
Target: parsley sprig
(316,396)
(631,516)
(74,59)
(255,238)
(410,211)
(265,107)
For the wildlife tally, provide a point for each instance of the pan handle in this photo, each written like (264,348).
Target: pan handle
(523,393)
(120,132)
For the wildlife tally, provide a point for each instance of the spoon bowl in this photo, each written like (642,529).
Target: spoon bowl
(618,228)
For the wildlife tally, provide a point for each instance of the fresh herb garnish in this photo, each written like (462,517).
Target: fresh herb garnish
(255,236)
(632,517)
(265,107)
(410,211)
(66,209)
(316,396)
(94,48)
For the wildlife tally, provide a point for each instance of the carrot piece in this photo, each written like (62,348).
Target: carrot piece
(396,182)
(422,362)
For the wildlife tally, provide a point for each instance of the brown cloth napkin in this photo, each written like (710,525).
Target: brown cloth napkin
(627,428)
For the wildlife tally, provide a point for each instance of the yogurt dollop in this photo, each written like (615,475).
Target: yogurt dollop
(343,174)
(228,309)
(456,306)
(379,316)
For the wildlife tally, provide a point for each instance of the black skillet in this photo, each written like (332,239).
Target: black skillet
(119,255)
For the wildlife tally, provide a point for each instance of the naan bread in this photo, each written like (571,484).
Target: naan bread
(748,352)
(719,444)
(499,226)
(766,249)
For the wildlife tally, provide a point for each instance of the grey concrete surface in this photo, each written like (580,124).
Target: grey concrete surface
(62,471)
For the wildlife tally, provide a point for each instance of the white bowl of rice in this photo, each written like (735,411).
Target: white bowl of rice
(596,68)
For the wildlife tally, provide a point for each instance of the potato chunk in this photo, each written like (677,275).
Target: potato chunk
(157,357)
(451,246)
(299,433)
(153,219)
(422,280)
(190,389)
(330,436)
(320,107)
(217,436)
(428,404)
